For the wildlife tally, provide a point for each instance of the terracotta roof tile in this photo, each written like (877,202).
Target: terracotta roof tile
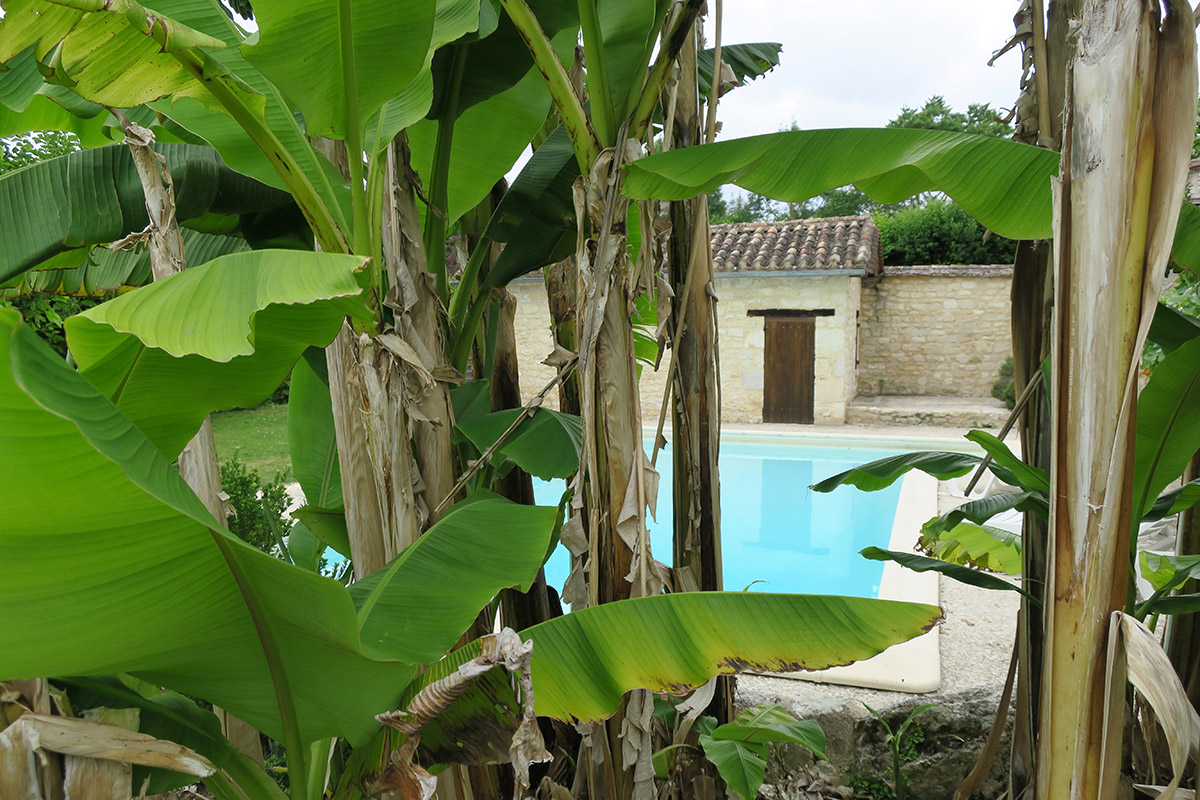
(799,244)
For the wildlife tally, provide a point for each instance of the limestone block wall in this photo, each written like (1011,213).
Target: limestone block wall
(935,331)
(534,338)
(741,340)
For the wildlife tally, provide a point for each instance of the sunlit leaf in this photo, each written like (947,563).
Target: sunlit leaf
(220,336)
(168,595)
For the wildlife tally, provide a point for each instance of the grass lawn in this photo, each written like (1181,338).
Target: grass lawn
(259,437)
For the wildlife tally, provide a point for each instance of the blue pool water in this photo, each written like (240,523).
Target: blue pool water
(774,529)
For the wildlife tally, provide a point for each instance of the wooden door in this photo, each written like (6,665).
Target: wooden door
(789,375)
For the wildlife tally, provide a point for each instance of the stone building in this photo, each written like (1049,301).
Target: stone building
(810,318)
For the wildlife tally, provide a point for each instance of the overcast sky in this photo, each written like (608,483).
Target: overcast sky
(851,64)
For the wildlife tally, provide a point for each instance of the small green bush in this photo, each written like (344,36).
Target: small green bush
(1005,388)
(939,232)
(258,508)
(45,313)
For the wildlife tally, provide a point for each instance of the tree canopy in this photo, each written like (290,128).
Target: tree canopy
(21,151)
(937,115)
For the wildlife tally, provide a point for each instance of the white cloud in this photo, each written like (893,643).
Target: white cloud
(855,64)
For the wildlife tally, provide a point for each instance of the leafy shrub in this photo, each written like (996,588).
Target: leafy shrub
(258,513)
(939,232)
(1006,387)
(1183,295)
(279,397)
(45,314)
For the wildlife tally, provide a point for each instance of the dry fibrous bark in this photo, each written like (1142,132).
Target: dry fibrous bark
(1128,129)
(1046,49)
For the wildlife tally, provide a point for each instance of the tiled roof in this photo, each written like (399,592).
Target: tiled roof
(799,244)
(954,270)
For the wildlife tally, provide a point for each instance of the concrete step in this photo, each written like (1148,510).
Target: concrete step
(952,412)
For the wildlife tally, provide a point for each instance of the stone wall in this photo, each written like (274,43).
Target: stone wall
(742,341)
(935,331)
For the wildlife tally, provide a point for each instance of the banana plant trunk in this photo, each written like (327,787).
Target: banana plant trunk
(696,408)
(615,479)
(1130,108)
(390,395)
(560,280)
(617,482)
(1032,300)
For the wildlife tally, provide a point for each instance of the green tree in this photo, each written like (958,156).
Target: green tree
(939,232)
(746,207)
(938,115)
(21,151)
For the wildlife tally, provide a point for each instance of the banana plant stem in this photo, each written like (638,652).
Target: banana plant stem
(466,288)
(327,232)
(643,112)
(439,190)
(566,101)
(466,336)
(599,91)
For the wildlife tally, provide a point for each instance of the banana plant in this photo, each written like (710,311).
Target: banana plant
(171,597)
(1167,435)
(175,599)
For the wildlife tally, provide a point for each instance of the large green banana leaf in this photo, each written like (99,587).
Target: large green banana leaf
(884,472)
(583,662)
(1168,425)
(1186,250)
(1003,184)
(747,61)
(311,438)
(339,62)
(405,611)
(94,197)
(120,59)
(139,578)
(488,137)
(454,20)
(546,445)
(114,54)
(95,271)
(499,58)
(219,336)
(628,30)
(1171,328)
(28,103)
(536,216)
(230,139)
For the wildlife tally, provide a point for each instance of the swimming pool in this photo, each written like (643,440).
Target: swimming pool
(777,535)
